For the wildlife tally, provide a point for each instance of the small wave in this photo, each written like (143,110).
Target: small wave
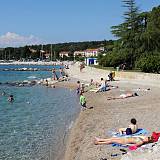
(32,77)
(70,125)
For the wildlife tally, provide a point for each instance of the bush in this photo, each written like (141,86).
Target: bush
(150,64)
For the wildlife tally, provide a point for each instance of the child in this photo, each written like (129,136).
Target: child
(132,128)
(82,101)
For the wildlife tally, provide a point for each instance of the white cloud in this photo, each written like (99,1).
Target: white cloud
(15,40)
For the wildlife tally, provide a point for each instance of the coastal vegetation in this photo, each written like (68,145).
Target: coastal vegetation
(138,43)
(34,51)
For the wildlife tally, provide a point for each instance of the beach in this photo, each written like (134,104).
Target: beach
(109,115)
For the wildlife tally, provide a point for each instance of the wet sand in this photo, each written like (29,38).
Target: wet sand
(109,115)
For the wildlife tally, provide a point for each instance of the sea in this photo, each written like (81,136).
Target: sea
(36,124)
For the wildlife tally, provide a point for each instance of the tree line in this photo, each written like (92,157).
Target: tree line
(11,53)
(138,40)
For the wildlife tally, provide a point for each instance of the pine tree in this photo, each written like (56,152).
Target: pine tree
(128,30)
(130,24)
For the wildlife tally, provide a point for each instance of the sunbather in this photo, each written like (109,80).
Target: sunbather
(122,96)
(136,140)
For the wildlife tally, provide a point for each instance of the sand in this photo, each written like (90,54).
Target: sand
(109,115)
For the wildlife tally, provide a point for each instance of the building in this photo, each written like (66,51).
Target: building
(79,53)
(92,52)
(64,53)
(89,52)
(91,61)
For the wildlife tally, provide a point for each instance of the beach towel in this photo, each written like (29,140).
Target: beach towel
(140,131)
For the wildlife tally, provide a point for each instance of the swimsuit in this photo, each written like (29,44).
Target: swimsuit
(135,139)
(138,139)
(123,95)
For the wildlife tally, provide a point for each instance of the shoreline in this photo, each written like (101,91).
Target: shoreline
(108,116)
(35,63)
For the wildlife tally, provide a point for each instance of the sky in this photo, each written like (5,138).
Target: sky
(25,22)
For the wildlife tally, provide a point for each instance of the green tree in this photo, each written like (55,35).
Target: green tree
(127,31)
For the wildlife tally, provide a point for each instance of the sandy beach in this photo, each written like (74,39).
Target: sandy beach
(109,115)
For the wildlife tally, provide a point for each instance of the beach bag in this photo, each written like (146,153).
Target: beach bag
(128,131)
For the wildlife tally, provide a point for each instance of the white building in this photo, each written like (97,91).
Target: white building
(92,52)
(64,53)
(79,53)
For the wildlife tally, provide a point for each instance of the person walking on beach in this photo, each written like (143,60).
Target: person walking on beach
(82,100)
(82,65)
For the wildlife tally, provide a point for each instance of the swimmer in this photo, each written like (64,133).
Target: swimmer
(10,98)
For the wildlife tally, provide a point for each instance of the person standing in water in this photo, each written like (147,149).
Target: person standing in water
(54,74)
(61,72)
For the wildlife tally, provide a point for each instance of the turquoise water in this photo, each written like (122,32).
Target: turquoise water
(34,126)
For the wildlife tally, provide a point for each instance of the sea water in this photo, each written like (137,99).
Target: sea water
(35,125)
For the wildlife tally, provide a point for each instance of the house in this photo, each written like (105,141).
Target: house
(92,52)
(89,52)
(64,53)
(79,53)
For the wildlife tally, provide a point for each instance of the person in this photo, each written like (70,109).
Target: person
(54,74)
(67,66)
(82,87)
(103,86)
(46,82)
(110,76)
(91,82)
(78,87)
(82,65)
(122,96)
(61,72)
(10,98)
(82,100)
(132,128)
(136,140)
(67,78)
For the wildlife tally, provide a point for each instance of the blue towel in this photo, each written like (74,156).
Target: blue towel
(140,131)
